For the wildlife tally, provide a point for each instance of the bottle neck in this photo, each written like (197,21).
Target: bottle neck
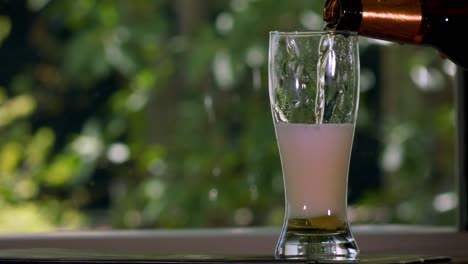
(395,20)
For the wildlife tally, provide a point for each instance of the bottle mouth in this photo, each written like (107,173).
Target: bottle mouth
(332,13)
(342,14)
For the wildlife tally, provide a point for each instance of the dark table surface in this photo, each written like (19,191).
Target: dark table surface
(76,256)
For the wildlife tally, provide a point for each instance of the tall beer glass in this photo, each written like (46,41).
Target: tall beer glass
(314,95)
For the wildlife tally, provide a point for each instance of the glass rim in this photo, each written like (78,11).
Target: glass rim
(312,32)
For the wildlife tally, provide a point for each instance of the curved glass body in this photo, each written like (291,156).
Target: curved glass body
(314,95)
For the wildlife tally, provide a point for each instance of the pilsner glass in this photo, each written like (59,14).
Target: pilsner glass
(314,95)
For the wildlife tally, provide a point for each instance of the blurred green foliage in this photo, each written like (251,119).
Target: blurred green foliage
(155,114)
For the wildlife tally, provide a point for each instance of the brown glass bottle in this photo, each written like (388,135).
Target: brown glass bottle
(441,24)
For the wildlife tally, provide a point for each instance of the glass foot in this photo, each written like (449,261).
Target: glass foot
(319,245)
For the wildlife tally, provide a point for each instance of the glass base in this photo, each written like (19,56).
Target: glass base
(320,245)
